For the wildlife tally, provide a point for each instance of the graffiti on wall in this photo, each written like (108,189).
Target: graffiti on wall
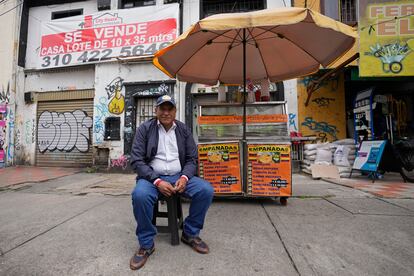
(292,122)
(324,117)
(101,112)
(116,103)
(5,94)
(64,131)
(323,101)
(2,134)
(321,127)
(29,131)
(121,162)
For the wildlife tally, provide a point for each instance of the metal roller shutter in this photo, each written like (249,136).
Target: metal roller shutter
(64,132)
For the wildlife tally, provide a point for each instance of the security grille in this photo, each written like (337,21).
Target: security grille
(211,7)
(348,12)
(64,132)
(145,109)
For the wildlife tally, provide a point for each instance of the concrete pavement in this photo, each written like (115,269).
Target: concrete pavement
(82,224)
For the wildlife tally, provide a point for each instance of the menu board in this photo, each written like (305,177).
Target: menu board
(269,170)
(219,164)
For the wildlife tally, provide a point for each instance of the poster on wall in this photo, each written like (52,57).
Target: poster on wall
(386,30)
(369,155)
(106,35)
(269,170)
(219,164)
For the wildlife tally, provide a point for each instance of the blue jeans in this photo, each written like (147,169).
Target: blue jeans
(145,195)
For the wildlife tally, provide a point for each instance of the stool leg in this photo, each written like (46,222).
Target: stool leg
(180,213)
(172,219)
(155,214)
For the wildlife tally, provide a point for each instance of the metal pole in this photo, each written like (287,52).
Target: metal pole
(244,84)
(244,141)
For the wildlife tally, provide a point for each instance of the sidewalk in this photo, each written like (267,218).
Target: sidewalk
(24,174)
(82,224)
(391,186)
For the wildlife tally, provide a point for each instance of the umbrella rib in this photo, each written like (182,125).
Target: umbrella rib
(260,52)
(284,37)
(224,60)
(217,34)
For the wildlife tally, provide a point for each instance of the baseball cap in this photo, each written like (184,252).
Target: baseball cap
(165,99)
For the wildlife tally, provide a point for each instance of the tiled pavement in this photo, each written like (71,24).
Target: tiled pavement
(23,174)
(391,186)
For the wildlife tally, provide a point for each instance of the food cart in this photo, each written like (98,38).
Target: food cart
(260,165)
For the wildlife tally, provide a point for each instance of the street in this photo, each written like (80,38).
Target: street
(82,224)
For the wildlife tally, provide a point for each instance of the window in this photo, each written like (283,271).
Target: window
(210,7)
(127,4)
(348,12)
(68,13)
(112,129)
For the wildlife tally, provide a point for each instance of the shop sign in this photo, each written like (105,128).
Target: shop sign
(107,35)
(219,164)
(369,155)
(386,38)
(230,119)
(269,170)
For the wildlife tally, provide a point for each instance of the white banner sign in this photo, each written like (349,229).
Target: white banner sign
(105,35)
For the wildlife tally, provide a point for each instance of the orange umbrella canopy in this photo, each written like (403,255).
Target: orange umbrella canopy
(280,44)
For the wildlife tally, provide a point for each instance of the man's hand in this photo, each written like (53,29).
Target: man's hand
(166,188)
(180,185)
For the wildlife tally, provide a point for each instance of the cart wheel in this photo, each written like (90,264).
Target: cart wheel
(283,201)
(396,67)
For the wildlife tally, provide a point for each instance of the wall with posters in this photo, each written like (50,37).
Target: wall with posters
(324,117)
(103,36)
(43,14)
(386,42)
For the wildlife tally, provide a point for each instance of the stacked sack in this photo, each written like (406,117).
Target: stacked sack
(316,153)
(340,153)
(344,156)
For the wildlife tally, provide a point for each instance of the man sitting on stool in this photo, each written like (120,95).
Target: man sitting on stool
(164,155)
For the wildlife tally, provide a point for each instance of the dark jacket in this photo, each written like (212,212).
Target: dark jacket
(145,148)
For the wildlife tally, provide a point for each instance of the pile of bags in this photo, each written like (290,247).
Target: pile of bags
(340,153)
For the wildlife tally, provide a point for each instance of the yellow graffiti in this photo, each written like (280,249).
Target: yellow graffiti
(117,100)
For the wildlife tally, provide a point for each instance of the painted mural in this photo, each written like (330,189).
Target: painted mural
(4,124)
(324,117)
(386,42)
(116,99)
(64,131)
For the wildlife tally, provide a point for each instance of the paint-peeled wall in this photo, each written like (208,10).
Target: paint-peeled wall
(324,117)
(8,53)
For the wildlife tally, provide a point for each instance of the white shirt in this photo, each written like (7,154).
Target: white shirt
(166,161)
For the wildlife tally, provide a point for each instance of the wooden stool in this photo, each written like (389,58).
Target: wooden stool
(174,214)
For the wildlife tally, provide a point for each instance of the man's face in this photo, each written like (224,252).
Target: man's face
(166,113)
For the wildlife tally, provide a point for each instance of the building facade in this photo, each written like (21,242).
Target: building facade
(80,100)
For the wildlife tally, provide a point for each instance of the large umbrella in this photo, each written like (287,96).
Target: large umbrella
(275,44)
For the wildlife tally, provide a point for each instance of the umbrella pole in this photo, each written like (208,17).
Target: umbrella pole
(244,141)
(244,85)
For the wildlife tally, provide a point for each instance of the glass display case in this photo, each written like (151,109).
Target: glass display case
(260,165)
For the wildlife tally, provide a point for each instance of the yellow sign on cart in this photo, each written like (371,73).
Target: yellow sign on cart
(386,43)
(269,170)
(219,164)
